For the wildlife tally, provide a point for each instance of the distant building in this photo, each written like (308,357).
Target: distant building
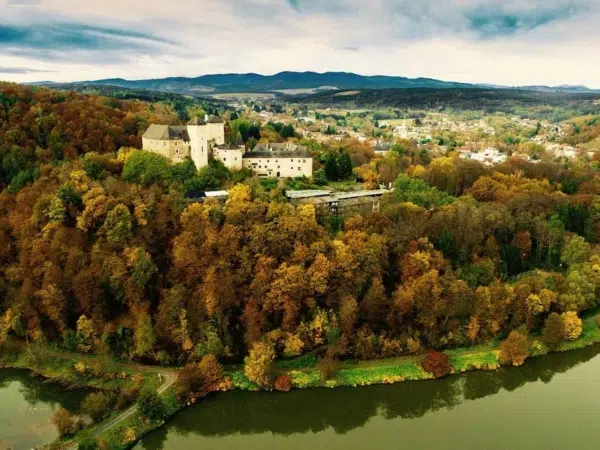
(383,148)
(285,160)
(489,157)
(338,203)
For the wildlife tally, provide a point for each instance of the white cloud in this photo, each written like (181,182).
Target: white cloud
(505,41)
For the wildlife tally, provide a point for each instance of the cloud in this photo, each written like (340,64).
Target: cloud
(496,41)
(488,22)
(63,39)
(21,70)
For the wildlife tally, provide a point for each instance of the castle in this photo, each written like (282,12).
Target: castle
(202,140)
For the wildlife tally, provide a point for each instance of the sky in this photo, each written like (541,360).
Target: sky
(508,42)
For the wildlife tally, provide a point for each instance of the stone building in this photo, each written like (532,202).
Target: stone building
(202,140)
(285,160)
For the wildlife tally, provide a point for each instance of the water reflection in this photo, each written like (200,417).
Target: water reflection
(26,406)
(344,409)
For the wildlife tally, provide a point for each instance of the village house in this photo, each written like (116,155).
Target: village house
(285,160)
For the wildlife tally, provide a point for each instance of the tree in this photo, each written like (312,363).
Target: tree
(573,326)
(141,265)
(554,330)
(85,334)
(283,383)
(144,336)
(575,251)
(211,371)
(437,363)
(417,191)
(515,349)
(117,227)
(151,405)
(146,168)
(97,405)
(257,365)
(64,422)
(344,166)
(328,367)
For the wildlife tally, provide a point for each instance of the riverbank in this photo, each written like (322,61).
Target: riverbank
(123,429)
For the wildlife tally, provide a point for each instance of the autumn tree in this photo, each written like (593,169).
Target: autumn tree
(97,405)
(64,422)
(437,363)
(514,349)
(257,365)
(151,405)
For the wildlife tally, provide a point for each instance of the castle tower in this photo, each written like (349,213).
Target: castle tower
(216,129)
(199,137)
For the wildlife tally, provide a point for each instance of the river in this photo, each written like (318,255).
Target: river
(26,407)
(551,402)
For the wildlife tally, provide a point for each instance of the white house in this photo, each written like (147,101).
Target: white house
(279,161)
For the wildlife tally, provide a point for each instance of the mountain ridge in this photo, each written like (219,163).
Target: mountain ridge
(304,82)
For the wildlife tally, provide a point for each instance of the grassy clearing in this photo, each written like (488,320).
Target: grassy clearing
(98,373)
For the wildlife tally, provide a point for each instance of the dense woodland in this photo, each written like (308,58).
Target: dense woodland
(103,252)
(539,105)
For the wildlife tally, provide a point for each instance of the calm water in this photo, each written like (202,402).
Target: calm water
(26,407)
(551,402)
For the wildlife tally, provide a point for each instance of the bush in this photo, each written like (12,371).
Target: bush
(64,422)
(97,405)
(151,405)
(328,367)
(437,363)
(283,383)
(126,397)
(515,349)
(88,444)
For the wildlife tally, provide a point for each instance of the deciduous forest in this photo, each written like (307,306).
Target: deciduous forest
(104,252)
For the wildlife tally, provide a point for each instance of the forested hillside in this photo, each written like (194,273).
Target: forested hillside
(543,104)
(104,253)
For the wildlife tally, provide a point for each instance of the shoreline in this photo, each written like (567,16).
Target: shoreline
(123,429)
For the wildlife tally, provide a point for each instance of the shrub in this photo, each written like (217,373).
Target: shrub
(283,383)
(328,367)
(88,444)
(515,349)
(151,405)
(64,422)
(97,405)
(437,363)
(126,397)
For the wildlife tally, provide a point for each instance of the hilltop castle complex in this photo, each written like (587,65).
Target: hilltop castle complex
(202,140)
